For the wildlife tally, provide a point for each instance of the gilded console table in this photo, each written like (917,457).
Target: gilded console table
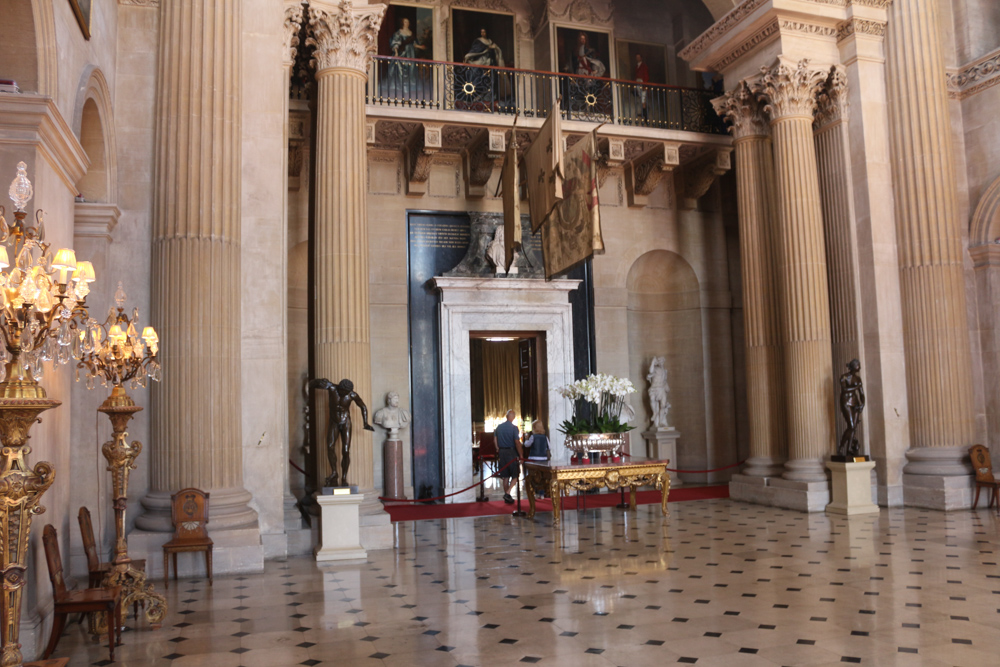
(554,479)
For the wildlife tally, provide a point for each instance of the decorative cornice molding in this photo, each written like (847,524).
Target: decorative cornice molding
(878,4)
(831,103)
(976,76)
(347,37)
(140,3)
(861,27)
(294,15)
(31,120)
(744,112)
(759,38)
(693,182)
(94,220)
(791,91)
(807,28)
(720,28)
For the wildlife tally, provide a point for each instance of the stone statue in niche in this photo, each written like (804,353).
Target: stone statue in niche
(658,390)
(392,418)
(852,403)
(341,397)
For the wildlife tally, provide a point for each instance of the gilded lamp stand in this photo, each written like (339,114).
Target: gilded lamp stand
(121,455)
(117,354)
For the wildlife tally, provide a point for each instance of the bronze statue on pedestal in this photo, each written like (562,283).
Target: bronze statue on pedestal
(852,403)
(341,397)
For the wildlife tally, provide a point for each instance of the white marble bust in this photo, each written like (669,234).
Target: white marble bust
(392,418)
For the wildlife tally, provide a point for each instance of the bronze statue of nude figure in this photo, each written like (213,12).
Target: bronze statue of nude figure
(852,403)
(341,397)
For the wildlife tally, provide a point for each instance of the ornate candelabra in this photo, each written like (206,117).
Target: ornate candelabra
(116,354)
(41,308)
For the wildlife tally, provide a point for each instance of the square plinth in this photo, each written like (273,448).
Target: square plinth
(340,532)
(851,488)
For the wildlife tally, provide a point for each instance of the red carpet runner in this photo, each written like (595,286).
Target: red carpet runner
(417,512)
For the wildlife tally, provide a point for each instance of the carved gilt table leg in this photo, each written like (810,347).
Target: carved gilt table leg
(665,491)
(555,490)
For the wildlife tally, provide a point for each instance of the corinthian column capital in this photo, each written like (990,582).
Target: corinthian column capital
(744,112)
(831,103)
(294,15)
(790,90)
(346,36)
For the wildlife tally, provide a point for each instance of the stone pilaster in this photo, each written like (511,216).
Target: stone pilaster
(758,259)
(789,91)
(838,224)
(935,324)
(196,410)
(345,40)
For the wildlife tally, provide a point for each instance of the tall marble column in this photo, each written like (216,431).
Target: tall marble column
(935,324)
(196,409)
(838,224)
(758,259)
(345,40)
(789,90)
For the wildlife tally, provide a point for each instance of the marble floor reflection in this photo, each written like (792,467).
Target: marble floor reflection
(718,583)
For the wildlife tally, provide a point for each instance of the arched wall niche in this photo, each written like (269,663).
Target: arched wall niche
(93,122)
(665,319)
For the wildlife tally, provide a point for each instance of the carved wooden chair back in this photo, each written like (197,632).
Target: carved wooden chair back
(980,456)
(487,445)
(54,560)
(89,545)
(189,513)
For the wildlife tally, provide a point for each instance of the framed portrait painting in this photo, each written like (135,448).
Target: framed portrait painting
(407,32)
(83,9)
(638,60)
(482,38)
(583,52)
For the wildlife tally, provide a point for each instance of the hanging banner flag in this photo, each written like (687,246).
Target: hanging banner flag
(573,234)
(542,173)
(510,182)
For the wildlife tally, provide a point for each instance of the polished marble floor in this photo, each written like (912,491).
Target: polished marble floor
(718,583)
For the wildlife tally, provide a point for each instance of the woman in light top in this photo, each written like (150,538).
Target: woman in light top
(537,444)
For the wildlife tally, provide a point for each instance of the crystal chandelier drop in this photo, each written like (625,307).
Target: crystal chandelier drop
(43,297)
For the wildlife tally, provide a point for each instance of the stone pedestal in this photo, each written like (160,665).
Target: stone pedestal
(340,534)
(392,470)
(852,488)
(779,492)
(662,444)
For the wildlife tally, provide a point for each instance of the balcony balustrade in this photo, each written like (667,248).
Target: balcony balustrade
(433,85)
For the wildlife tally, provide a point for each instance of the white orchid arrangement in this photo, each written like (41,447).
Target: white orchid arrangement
(598,402)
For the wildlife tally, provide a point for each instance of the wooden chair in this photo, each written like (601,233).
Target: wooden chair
(96,569)
(984,475)
(189,513)
(67,602)
(488,451)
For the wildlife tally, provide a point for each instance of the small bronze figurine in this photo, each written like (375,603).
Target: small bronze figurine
(341,397)
(852,403)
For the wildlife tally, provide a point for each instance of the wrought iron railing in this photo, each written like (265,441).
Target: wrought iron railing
(427,84)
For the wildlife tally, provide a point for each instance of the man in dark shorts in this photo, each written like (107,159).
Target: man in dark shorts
(508,452)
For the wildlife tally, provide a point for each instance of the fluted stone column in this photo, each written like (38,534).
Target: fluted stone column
(838,218)
(790,93)
(935,324)
(196,411)
(758,259)
(345,40)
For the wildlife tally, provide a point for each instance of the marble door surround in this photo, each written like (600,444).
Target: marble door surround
(498,304)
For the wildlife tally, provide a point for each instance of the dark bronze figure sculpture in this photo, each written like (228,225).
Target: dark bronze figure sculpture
(341,397)
(852,403)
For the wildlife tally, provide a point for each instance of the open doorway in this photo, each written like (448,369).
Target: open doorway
(507,372)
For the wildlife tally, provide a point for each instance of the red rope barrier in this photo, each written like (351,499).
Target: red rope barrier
(297,468)
(449,495)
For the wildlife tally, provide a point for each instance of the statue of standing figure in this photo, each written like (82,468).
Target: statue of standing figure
(852,403)
(341,397)
(658,390)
